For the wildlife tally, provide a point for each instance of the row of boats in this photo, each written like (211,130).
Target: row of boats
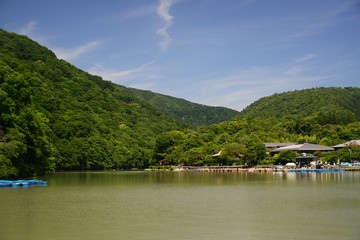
(22,183)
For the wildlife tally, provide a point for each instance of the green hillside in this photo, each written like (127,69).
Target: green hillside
(326,105)
(55,116)
(325,116)
(193,114)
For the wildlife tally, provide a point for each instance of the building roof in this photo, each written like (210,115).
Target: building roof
(306,157)
(304,147)
(276,145)
(352,142)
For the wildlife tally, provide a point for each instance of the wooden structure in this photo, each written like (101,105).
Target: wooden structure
(304,161)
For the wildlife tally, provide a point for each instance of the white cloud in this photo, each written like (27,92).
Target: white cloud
(117,76)
(328,17)
(300,65)
(28,29)
(305,58)
(163,13)
(69,54)
(240,89)
(140,12)
(293,70)
(144,86)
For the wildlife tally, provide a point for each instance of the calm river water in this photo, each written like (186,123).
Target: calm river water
(180,205)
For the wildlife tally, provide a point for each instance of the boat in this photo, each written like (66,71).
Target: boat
(22,183)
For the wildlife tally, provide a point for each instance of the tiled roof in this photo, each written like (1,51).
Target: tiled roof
(352,142)
(304,147)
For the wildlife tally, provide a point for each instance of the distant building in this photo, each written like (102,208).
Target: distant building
(237,156)
(304,148)
(349,143)
(305,161)
(272,146)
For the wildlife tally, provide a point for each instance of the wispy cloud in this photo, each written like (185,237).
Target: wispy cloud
(300,65)
(294,70)
(140,12)
(31,29)
(242,88)
(305,58)
(163,12)
(144,86)
(28,29)
(70,54)
(117,76)
(320,21)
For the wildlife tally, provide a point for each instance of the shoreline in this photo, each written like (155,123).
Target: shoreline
(253,170)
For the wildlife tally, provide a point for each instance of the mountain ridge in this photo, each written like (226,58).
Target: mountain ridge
(56,116)
(194,114)
(319,103)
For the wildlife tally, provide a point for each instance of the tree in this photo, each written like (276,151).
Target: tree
(231,152)
(285,157)
(343,155)
(165,143)
(256,151)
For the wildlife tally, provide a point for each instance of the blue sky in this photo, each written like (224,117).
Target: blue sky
(214,52)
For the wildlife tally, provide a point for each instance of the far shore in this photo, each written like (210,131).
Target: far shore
(243,169)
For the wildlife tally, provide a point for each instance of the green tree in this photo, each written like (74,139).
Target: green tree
(285,157)
(165,143)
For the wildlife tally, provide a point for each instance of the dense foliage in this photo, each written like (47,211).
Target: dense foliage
(325,116)
(193,114)
(324,105)
(240,141)
(55,116)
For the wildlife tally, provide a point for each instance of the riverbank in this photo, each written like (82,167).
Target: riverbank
(254,169)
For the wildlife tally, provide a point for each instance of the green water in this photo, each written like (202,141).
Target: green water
(175,205)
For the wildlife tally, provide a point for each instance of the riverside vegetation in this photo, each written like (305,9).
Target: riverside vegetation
(55,116)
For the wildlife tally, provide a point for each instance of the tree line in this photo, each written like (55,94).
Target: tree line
(241,141)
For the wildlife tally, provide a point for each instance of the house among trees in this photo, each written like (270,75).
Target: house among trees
(232,157)
(349,143)
(304,148)
(272,146)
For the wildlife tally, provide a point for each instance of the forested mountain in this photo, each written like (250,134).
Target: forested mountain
(54,115)
(194,114)
(326,105)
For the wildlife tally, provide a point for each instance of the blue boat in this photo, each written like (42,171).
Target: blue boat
(4,183)
(22,183)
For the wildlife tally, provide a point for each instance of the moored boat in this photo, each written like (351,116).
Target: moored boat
(21,183)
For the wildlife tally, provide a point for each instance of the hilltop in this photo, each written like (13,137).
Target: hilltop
(325,105)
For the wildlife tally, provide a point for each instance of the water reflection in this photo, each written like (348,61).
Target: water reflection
(184,205)
(333,177)
(110,178)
